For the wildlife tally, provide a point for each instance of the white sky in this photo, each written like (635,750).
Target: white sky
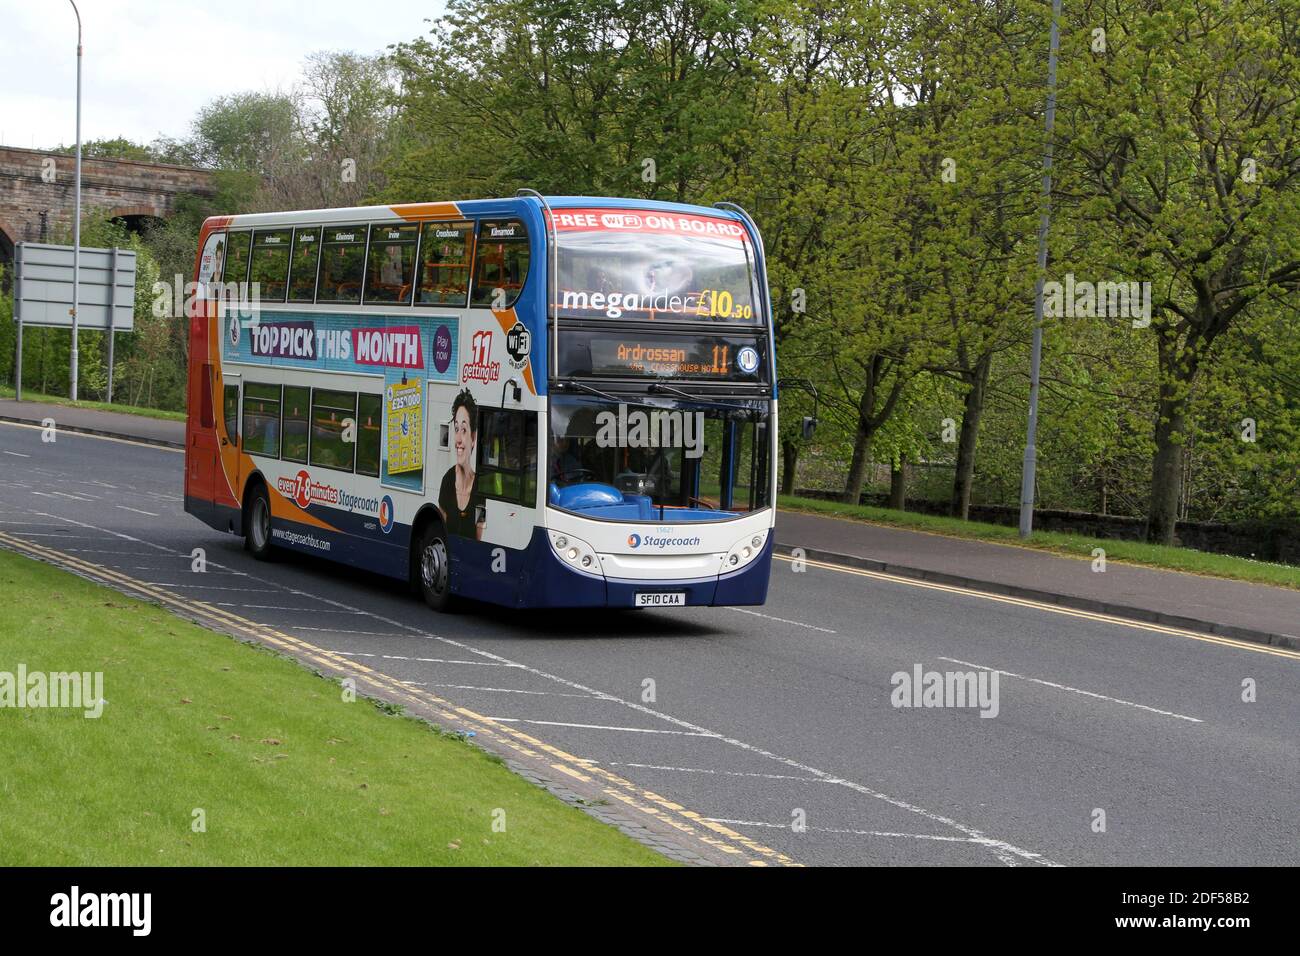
(150,65)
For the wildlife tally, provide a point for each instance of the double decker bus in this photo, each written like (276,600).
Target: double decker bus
(534,401)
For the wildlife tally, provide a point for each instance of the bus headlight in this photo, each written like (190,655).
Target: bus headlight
(744,551)
(575,553)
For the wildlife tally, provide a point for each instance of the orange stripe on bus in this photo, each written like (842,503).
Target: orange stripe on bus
(427,210)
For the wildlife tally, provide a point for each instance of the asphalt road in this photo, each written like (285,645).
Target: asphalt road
(765,718)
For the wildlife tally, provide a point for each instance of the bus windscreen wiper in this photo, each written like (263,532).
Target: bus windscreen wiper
(570,384)
(662,387)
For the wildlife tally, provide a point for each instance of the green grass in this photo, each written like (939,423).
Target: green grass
(1131,552)
(286,771)
(7,391)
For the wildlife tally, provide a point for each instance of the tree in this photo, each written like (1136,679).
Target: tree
(1183,136)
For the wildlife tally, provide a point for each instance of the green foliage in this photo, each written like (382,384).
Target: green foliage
(891,154)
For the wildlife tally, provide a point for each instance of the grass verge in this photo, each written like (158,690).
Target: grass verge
(1130,552)
(7,391)
(285,771)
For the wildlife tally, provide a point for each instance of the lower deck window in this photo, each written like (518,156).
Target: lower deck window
(331,413)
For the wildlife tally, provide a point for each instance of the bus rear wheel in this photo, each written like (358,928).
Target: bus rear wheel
(257,524)
(433,568)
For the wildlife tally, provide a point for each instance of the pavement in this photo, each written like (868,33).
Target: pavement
(1235,609)
(1253,612)
(769,735)
(92,421)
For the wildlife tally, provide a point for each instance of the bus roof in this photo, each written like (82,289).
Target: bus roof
(445,210)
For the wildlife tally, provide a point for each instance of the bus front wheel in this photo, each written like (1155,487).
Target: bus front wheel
(257,524)
(433,568)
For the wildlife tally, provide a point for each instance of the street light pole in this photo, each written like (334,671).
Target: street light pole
(76,220)
(1027,474)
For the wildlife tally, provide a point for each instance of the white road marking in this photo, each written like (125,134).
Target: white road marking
(630,730)
(720,773)
(424,660)
(1075,690)
(54,534)
(81,497)
(137,554)
(16,454)
(781,620)
(279,607)
(496,690)
(871,833)
(151,514)
(206,587)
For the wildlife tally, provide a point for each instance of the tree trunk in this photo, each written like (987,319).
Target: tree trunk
(870,418)
(964,474)
(858,464)
(898,484)
(789,463)
(1167,466)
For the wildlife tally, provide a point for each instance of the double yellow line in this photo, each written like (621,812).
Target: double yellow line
(1053,608)
(686,822)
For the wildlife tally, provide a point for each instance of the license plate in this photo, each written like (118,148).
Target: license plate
(661,599)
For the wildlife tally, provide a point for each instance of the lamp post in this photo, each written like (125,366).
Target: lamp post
(76,219)
(1030,465)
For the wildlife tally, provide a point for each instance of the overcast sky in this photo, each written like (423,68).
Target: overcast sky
(151,64)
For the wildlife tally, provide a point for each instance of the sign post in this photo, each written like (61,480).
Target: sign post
(44,286)
(112,301)
(18,318)
(76,222)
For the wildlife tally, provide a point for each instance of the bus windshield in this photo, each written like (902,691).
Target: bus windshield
(627,265)
(679,454)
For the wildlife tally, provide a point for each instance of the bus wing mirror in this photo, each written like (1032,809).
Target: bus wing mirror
(809,426)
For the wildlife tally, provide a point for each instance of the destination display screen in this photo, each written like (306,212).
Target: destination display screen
(736,358)
(635,265)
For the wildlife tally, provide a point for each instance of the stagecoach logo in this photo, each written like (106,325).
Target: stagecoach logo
(386,514)
(518,344)
(234,331)
(664,540)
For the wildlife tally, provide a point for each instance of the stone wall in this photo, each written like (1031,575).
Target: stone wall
(33,210)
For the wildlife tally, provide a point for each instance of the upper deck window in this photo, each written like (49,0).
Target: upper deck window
(444,263)
(235,269)
(500,263)
(342,264)
(390,267)
(667,267)
(271,263)
(302,270)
